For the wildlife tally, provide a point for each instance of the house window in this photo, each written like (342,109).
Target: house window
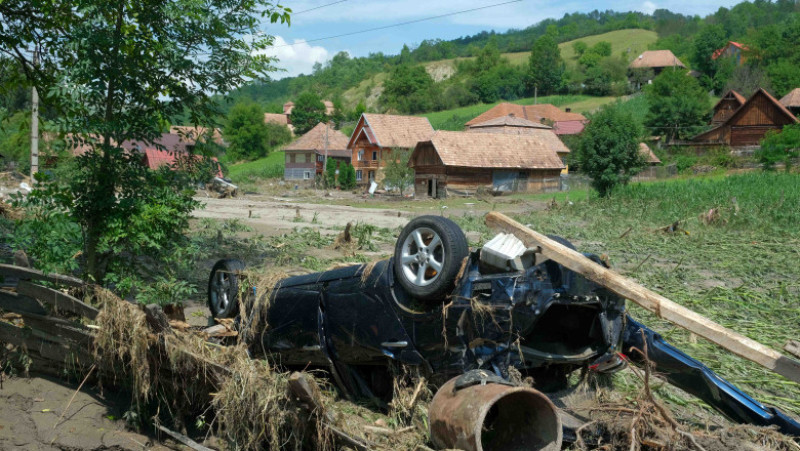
(292,158)
(358,175)
(361,155)
(320,158)
(371,176)
(306,175)
(374,155)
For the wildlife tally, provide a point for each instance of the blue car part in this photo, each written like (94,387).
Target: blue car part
(697,379)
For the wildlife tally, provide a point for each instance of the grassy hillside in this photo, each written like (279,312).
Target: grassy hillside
(633,42)
(454,119)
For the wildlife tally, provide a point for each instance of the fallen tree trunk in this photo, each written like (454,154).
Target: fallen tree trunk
(649,300)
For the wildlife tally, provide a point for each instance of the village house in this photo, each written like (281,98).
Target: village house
(727,105)
(562,122)
(655,60)
(305,157)
(748,125)
(512,125)
(732,50)
(462,163)
(792,101)
(377,135)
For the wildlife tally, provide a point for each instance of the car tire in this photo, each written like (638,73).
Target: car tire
(428,257)
(223,288)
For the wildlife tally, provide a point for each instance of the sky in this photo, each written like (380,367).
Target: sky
(297,48)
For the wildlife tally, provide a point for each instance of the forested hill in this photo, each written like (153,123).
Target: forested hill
(771,29)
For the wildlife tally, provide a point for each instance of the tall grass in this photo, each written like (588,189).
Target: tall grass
(265,168)
(741,271)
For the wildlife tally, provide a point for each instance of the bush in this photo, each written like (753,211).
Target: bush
(780,147)
(347,177)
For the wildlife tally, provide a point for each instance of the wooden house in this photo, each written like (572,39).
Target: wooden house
(562,122)
(512,125)
(792,101)
(376,135)
(727,105)
(305,157)
(733,50)
(656,60)
(748,125)
(461,163)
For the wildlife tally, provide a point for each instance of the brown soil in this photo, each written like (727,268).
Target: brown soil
(31,418)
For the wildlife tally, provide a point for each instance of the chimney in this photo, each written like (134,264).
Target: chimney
(568,110)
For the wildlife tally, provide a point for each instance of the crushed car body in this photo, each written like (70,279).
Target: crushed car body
(446,310)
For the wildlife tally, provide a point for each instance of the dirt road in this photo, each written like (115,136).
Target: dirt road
(272,215)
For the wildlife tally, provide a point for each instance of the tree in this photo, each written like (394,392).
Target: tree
(308,111)
(347,176)
(330,173)
(246,133)
(115,70)
(396,173)
(609,148)
(545,67)
(408,89)
(678,105)
(747,79)
(780,146)
(579,47)
(706,42)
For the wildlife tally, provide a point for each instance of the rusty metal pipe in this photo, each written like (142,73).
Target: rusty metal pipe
(493,417)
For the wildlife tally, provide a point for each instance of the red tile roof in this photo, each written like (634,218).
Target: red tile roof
(155,158)
(719,52)
(533,113)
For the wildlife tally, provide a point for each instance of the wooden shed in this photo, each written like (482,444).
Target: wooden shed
(461,163)
(726,106)
(792,101)
(748,125)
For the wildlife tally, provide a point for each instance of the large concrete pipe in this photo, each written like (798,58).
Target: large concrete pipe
(488,416)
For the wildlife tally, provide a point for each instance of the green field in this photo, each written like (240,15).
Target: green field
(454,119)
(632,42)
(740,270)
(269,167)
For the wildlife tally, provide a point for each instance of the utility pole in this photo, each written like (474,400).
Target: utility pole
(536,94)
(34,123)
(325,161)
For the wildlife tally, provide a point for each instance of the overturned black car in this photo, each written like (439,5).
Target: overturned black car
(440,308)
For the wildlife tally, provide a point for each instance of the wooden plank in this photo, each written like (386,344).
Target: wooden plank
(654,302)
(17,303)
(56,299)
(793,348)
(34,274)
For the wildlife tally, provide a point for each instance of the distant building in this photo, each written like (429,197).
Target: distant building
(727,105)
(512,125)
(732,50)
(562,122)
(305,156)
(748,125)
(792,101)
(646,152)
(376,135)
(656,60)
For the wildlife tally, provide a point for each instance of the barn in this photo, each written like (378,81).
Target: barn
(512,125)
(748,125)
(726,106)
(462,163)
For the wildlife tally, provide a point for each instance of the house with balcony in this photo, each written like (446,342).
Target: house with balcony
(377,135)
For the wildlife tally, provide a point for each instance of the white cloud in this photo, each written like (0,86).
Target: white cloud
(297,57)
(648,7)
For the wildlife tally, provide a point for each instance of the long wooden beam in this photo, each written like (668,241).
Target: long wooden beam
(654,302)
(34,274)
